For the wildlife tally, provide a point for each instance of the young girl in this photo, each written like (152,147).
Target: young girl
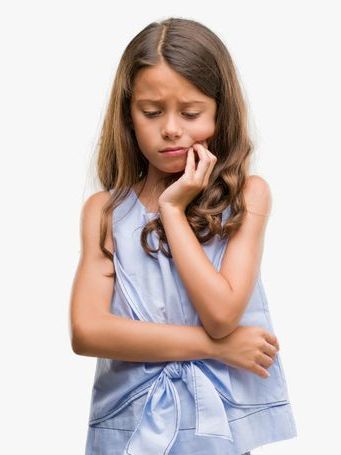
(168,294)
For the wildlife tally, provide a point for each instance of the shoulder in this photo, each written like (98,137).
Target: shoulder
(96,201)
(91,214)
(257,195)
(92,207)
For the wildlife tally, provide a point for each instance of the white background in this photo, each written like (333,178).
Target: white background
(58,61)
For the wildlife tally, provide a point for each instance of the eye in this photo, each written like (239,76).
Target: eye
(150,114)
(190,115)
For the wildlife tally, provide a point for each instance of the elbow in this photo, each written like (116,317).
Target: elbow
(76,347)
(78,341)
(85,335)
(223,328)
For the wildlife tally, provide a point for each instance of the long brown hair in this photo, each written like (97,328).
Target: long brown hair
(199,55)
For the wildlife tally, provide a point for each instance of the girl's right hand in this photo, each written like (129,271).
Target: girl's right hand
(250,347)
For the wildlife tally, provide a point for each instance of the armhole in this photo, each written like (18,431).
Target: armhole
(112,227)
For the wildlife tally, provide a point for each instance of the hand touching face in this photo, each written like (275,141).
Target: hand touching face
(195,179)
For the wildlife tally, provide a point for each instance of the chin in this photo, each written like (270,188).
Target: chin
(174,168)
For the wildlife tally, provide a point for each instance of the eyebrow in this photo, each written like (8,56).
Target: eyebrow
(145,100)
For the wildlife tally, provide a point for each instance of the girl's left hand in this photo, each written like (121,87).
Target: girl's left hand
(192,182)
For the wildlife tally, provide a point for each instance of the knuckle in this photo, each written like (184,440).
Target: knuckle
(261,344)
(253,365)
(197,184)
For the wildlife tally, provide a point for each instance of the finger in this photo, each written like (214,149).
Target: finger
(209,172)
(205,145)
(190,163)
(213,160)
(260,371)
(265,360)
(204,162)
(270,350)
(272,339)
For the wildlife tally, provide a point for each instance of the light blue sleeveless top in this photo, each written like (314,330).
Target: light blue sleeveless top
(149,406)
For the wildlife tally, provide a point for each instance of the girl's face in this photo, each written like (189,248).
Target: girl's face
(168,111)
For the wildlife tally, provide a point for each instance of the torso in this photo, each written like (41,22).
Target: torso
(149,201)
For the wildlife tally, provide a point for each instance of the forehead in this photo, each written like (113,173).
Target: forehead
(160,82)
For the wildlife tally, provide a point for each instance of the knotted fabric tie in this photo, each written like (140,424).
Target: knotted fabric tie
(159,424)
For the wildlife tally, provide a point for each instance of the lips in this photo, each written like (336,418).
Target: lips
(174,152)
(169,149)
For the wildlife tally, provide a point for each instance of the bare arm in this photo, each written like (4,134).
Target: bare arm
(95,331)
(220,297)
(115,337)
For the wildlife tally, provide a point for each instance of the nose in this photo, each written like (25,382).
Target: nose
(171,127)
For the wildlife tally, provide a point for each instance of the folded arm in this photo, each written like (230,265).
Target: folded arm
(220,297)
(96,332)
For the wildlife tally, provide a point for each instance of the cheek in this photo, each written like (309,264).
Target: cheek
(202,129)
(143,132)
(146,127)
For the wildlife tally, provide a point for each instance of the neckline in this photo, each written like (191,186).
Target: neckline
(144,208)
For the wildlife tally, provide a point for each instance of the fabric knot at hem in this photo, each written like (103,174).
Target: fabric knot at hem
(175,370)
(159,424)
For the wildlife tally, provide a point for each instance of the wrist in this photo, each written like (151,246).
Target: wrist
(165,207)
(211,347)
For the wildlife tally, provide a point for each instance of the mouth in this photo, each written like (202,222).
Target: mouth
(168,149)
(174,151)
